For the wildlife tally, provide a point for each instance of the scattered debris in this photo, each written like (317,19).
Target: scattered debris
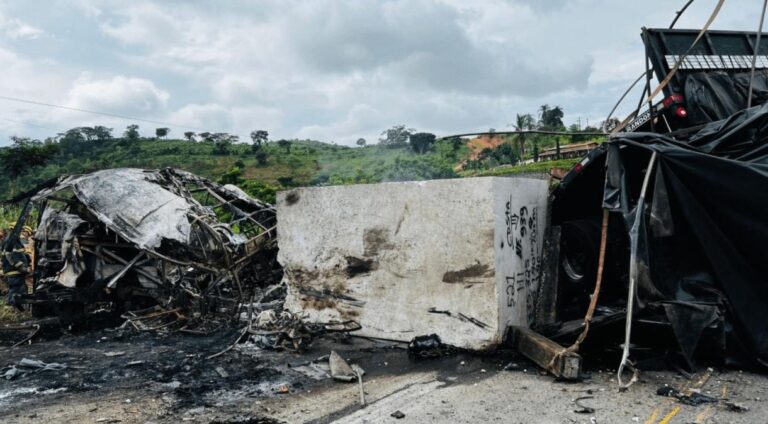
(340,369)
(583,408)
(397,414)
(559,361)
(273,329)
(222,372)
(694,398)
(734,406)
(28,366)
(429,346)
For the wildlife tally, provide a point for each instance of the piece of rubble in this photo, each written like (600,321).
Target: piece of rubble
(27,365)
(340,369)
(428,346)
(583,409)
(222,372)
(397,415)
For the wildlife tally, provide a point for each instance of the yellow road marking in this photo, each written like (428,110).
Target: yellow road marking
(652,418)
(705,415)
(687,389)
(669,416)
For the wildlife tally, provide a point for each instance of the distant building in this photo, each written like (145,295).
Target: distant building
(568,151)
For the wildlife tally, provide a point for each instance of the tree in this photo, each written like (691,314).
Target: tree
(396,136)
(543,111)
(189,135)
(88,133)
(523,122)
(360,142)
(102,133)
(455,143)
(131,132)
(422,142)
(221,145)
(261,157)
(206,137)
(25,153)
(503,154)
(233,176)
(259,137)
(285,144)
(551,118)
(161,132)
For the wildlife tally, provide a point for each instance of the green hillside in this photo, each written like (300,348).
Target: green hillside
(284,165)
(261,172)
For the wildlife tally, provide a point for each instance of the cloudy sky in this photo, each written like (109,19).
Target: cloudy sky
(329,70)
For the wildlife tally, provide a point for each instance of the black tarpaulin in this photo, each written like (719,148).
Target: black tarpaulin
(706,223)
(715,95)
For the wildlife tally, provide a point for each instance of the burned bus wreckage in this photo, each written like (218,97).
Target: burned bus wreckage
(166,243)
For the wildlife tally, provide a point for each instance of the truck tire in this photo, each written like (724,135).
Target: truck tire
(579,251)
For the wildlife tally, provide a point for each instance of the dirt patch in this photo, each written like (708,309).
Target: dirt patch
(359,266)
(463,276)
(376,240)
(478,144)
(292,198)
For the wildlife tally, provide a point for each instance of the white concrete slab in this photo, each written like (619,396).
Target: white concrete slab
(459,258)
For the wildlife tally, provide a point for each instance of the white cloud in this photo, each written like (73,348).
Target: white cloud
(15,28)
(211,116)
(330,69)
(118,94)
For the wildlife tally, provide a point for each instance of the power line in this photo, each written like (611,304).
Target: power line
(28,124)
(112,115)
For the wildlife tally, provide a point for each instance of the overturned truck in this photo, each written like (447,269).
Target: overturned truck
(138,241)
(668,213)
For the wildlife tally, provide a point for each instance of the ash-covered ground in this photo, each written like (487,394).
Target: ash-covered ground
(130,376)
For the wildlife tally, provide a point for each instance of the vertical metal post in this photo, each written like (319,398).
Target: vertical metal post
(633,274)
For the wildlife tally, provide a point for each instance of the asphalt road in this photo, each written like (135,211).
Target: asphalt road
(176,383)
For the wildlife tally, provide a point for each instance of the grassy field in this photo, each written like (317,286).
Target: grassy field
(531,168)
(280,166)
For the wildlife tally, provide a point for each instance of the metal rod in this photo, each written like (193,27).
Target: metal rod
(754,56)
(113,281)
(633,271)
(595,134)
(679,13)
(623,96)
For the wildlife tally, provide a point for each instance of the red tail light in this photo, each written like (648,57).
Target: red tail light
(673,99)
(681,113)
